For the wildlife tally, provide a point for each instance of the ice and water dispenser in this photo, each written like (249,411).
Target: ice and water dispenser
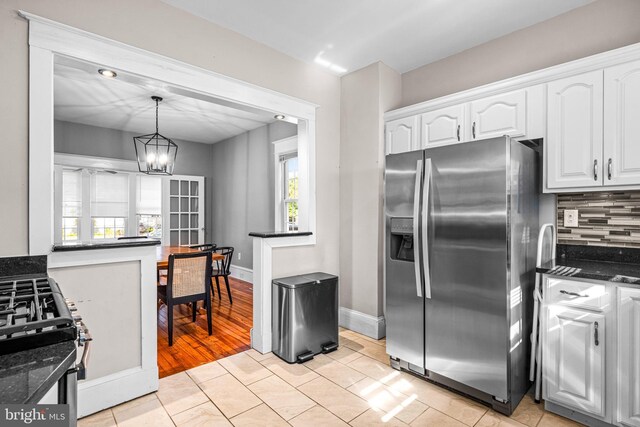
(401,239)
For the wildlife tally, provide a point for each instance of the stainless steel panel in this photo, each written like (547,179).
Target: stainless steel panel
(523,220)
(404,307)
(304,316)
(466,328)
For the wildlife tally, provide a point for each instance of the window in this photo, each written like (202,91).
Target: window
(98,205)
(71,204)
(149,206)
(289,182)
(109,205)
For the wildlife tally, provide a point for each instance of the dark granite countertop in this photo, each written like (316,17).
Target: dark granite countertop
(107,245)
(26,376)
(270,234)
(23,265)
(621,265)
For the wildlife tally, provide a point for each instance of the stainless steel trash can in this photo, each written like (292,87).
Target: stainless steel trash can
(304,316)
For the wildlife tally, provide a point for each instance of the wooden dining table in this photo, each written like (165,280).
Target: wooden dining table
(163,252)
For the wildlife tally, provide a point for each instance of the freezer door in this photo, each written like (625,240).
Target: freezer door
(466,329)
(403,278)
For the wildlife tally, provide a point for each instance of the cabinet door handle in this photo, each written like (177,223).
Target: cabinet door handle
(609,166)
(458,133)
(573,294)
(473,130)
(595,170)
(595,333)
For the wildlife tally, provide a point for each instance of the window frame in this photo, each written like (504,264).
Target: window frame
(85,222)
(75,161)
(281,148)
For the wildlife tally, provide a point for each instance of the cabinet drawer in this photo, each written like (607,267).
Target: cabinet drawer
(593,296)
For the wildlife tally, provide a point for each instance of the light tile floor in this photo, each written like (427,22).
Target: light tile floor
(352,386)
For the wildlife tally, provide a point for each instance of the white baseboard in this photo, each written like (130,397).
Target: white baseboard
(371,326)
(242,273)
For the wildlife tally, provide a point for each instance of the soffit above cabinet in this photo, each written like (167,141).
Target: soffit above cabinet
(591,63)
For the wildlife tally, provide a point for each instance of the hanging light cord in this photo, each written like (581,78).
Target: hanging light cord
(157,115)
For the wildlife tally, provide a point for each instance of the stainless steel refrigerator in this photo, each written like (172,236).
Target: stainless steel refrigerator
(460,244)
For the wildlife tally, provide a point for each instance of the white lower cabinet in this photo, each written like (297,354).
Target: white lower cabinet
(629,356)
(574,359)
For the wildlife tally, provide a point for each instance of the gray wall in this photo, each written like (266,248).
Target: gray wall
(243,192)
(193,158)
(365,95)
(597,27)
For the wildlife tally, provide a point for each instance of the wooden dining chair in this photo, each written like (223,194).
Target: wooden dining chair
(186,283)
(222,268)
(204,246)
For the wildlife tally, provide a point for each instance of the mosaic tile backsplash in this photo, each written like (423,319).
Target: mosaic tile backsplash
(604,219)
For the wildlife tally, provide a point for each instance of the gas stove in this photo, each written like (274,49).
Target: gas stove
(34,313)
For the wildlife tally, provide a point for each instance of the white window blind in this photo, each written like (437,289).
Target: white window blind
(149,197)
(71,193)
(109,195)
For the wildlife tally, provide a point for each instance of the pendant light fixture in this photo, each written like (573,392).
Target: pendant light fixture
(156,154)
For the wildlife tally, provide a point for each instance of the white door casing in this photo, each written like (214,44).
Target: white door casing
(629,356)
(504,114)
(574,355)
(402,135)
(443,127)
(622,124)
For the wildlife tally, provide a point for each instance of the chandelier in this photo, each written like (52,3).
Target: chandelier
(156,154)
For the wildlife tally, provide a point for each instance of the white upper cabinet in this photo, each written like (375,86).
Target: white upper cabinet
(574,359)
(504,114)
(629,356)
(402,135)
(443,127)
(574,131)
(622,124)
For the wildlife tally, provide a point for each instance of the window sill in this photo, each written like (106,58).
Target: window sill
(279,234)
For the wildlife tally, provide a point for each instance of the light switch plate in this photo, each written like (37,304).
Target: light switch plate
(570,217)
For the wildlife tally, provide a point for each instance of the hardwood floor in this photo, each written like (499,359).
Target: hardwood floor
(192,346)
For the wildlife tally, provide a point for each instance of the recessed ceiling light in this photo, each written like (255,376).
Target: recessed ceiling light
(107,73)
(279,116)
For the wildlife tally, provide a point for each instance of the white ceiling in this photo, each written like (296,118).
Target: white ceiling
(81,95)
(351,34)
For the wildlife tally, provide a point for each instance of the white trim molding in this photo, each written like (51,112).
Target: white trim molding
(242,273)
(49,39)
(365,324)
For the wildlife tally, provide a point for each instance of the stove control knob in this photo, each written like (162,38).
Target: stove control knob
(77,318)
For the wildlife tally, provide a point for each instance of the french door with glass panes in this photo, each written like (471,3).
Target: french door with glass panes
(183,209)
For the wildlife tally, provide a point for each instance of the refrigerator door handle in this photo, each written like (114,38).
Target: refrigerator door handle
(425,228)
(416,230)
